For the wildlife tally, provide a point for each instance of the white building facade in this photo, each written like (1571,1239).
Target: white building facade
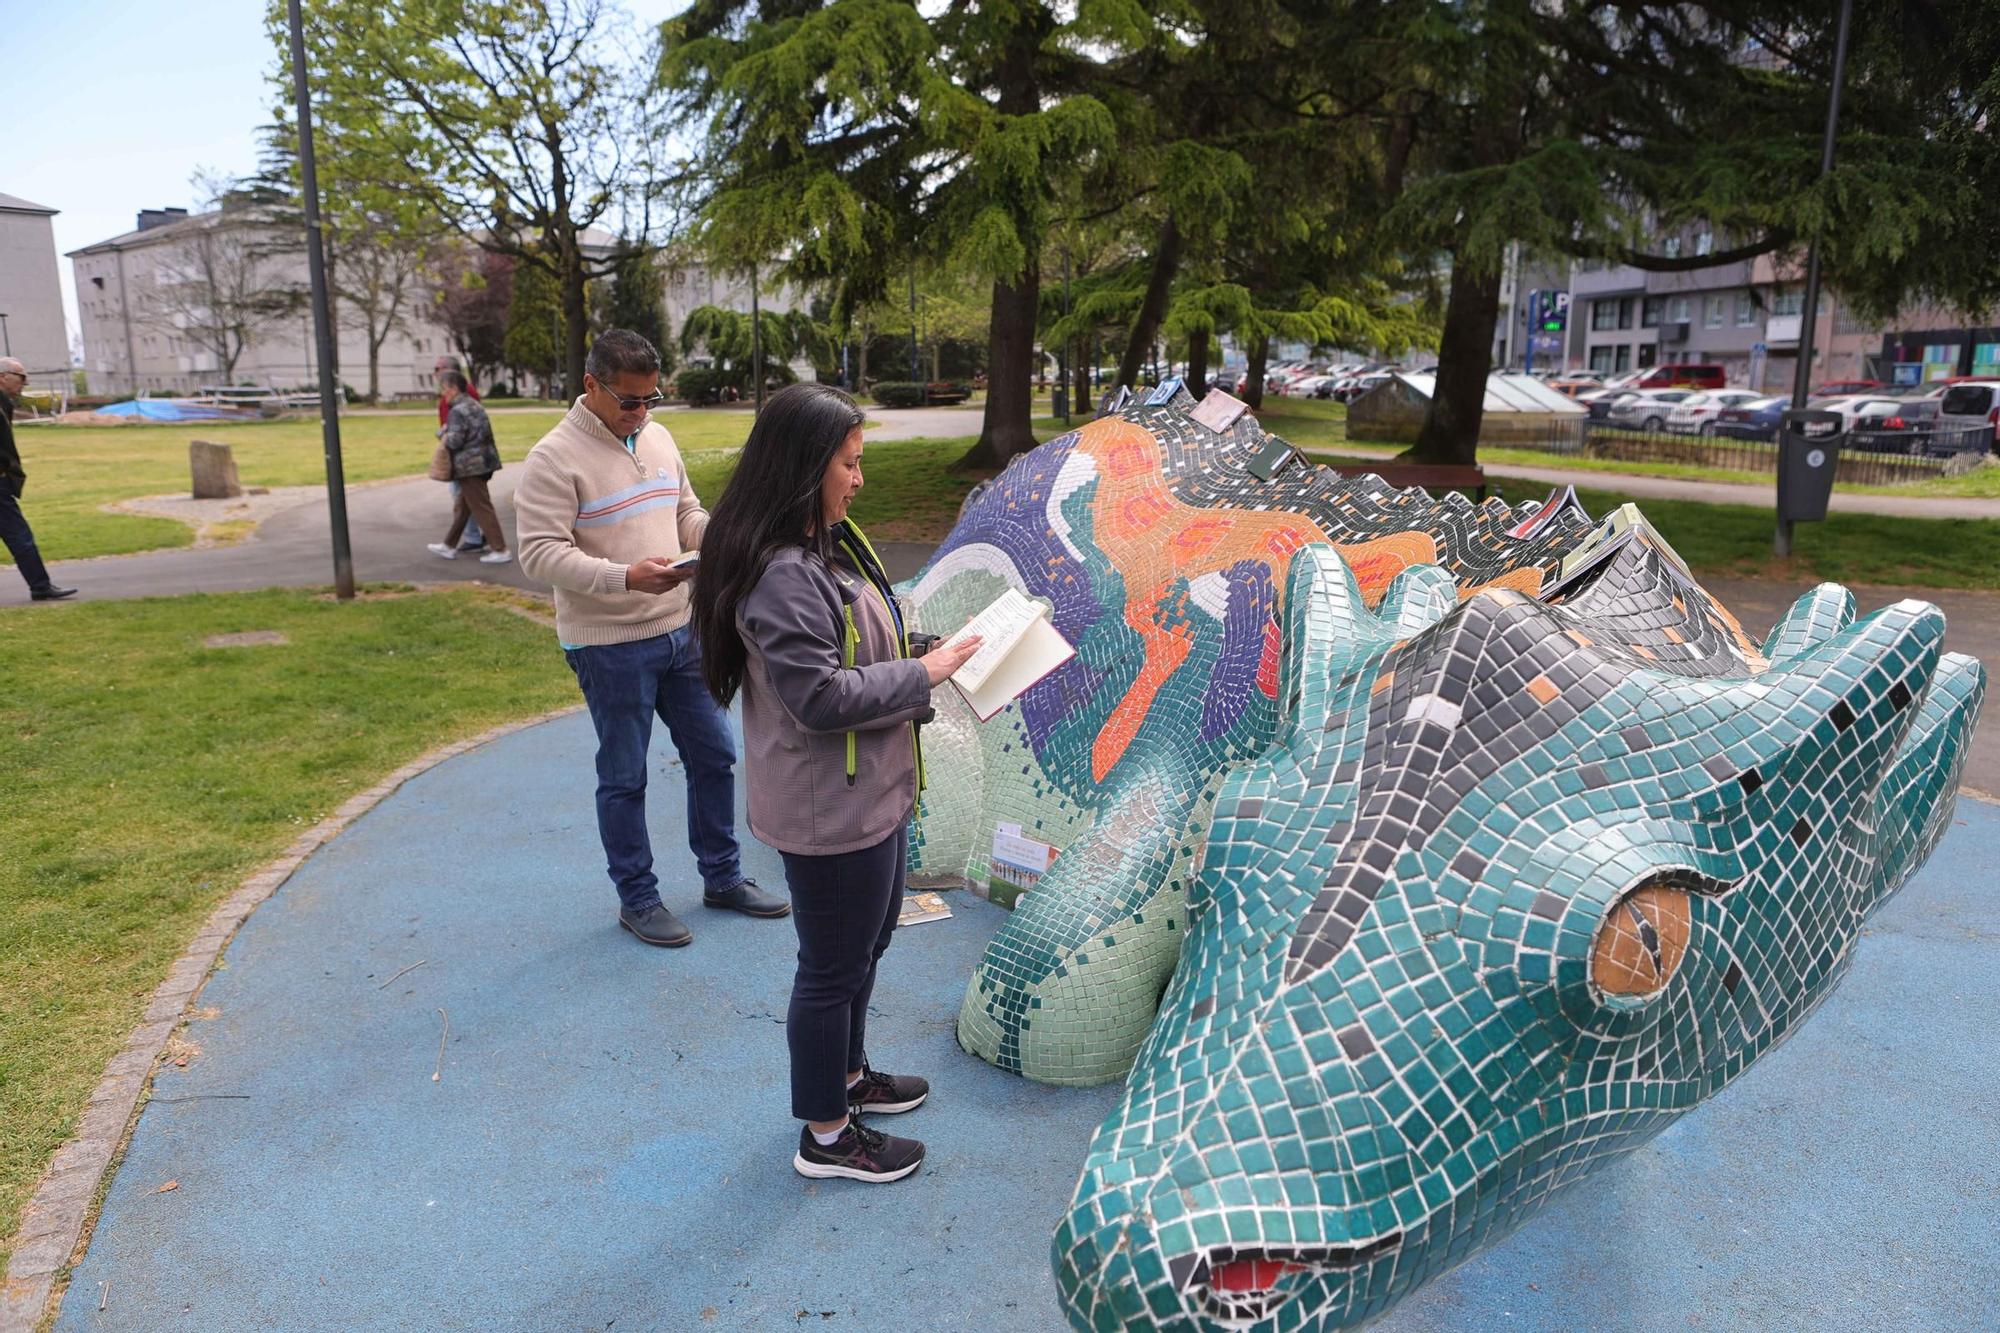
(31,311)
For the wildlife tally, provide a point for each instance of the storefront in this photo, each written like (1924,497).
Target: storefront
(1921,356)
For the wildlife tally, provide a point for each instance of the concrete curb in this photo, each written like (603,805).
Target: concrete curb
(55,1224)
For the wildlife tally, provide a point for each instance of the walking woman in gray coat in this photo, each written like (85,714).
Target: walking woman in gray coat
(792,608)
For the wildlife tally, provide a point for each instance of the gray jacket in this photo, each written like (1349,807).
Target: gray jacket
(830,757)
(469,435)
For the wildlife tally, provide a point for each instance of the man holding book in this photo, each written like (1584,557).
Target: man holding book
(604,512)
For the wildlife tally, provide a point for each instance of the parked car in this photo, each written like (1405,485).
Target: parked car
(1643,409)
(1695,414)
(1909,426)
(1356,385)
(1753,419)
(1835,388)
(1968,401)
(1682,377)
(1858,408)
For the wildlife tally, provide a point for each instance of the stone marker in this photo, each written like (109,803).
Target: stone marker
(214,469)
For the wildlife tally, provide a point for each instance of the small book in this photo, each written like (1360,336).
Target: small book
(1218,411)
(1560,501)
(921,907)
(1019,647)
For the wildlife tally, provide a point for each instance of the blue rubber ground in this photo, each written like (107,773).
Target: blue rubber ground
(608,1146)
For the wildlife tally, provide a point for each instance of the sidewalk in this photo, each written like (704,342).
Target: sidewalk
(607,1145)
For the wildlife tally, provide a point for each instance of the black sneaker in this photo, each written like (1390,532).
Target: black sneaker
(887,1094)
(860,1153)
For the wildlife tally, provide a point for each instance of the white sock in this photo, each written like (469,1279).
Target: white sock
(856,1079)
(828,1140)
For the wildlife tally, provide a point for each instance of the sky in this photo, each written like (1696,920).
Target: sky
(113,105)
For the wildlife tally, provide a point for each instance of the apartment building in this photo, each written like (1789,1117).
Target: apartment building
(146,299)
(31,311)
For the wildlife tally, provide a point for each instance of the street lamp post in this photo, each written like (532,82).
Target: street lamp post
(6,343)
(1781,544)
(329,401)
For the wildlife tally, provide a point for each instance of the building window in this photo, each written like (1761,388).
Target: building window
(1790,301)
(1649,313)
(1713,316)
(1603,315)
(1704,243)
(1624,361)
(1625,305)
(1746,311)
(1600,358)
(1681,311)
(1673,247)
(1648,353)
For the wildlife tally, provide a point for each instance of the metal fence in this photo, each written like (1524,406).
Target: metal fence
(1867,458)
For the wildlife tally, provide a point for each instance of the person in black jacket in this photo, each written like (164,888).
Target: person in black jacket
(468,436)
(14,529)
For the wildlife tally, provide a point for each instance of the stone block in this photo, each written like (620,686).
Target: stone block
(214,470)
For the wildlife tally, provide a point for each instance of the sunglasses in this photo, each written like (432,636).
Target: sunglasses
(625,404)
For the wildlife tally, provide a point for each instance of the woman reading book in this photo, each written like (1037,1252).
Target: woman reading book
(793,609)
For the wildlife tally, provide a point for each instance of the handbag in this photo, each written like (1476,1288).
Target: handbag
(440,469)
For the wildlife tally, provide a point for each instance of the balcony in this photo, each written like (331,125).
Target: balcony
(1674,331)
(1783,330)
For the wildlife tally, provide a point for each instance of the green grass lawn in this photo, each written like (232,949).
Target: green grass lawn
(146,776)
(72,470)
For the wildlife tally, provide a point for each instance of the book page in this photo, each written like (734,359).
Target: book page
(1001,626)
(1040,650)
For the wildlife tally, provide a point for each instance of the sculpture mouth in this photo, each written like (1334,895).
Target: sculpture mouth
(1238,1287)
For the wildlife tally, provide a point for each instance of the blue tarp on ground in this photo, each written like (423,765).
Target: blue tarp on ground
(167,409)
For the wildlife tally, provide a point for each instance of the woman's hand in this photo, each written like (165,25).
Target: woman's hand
(946,658)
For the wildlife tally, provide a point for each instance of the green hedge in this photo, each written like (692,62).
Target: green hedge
(908,393)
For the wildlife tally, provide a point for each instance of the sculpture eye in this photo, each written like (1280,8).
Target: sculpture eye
(1641,941)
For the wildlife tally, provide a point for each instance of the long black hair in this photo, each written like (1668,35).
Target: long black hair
(772,501)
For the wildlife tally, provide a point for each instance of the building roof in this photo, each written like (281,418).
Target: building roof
(13,203)
(148,234)
(1507,393)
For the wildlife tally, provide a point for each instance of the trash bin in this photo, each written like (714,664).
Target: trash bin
(1059,401)
(1808,454)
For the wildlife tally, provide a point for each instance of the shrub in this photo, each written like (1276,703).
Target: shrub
(698,385)
(897,393)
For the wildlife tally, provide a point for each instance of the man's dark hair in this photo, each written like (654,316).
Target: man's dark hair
(457,380)
(620,352)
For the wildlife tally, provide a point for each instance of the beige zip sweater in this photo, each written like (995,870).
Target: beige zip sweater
(587,507)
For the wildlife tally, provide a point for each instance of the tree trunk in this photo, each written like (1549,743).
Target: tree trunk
(1080,372)
(1253,379)
(1197,362)
(574,315)
(1450,432)
(861,369)
(1006,428)
(1166,260)
(374,368)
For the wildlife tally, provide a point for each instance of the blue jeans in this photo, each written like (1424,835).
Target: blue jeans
(625,685)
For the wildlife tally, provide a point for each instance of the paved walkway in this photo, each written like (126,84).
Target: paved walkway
(605,1141)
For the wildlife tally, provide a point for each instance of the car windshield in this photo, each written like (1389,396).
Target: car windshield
(1967,400)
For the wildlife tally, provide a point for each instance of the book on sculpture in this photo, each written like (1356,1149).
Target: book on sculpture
(1560,501)
(1623,527)
(1019,646)
(921,907)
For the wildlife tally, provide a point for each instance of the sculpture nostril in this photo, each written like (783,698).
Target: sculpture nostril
(1243,1277)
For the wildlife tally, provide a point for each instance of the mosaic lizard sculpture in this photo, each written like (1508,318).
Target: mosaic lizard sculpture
(1161,547)
(1502,900)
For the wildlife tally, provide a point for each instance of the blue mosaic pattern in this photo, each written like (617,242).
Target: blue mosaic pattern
(1501,901)
(1162,554)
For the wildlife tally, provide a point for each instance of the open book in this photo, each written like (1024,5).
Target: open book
(1019,647)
